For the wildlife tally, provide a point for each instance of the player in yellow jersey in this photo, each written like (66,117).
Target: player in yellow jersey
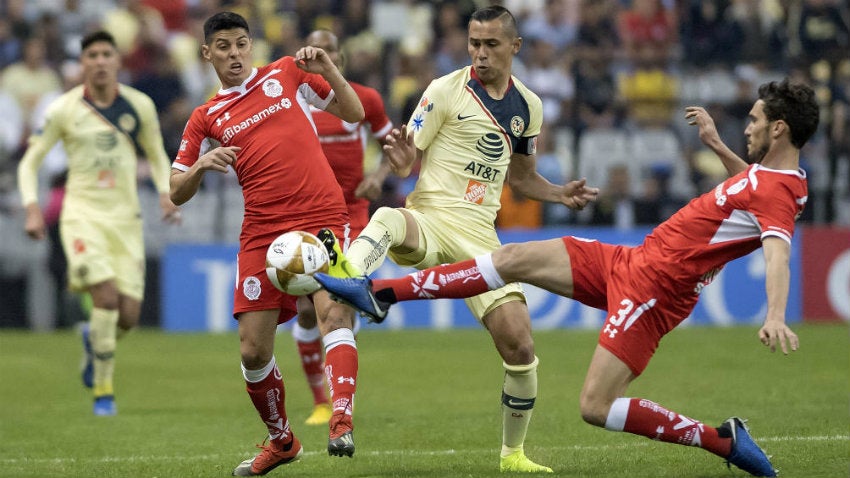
(473,130)
(102,125)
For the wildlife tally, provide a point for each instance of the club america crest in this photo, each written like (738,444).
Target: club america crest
(517,126)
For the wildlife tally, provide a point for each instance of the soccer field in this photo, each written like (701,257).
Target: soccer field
(427,406)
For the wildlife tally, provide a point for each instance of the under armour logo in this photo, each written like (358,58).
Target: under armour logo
(350,380)
(220,120)
(611,331)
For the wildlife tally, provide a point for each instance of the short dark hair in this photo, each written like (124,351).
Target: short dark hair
(96,36)
(496,12)
(793,103)
(224,21)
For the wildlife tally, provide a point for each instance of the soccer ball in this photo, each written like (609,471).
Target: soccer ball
(292,259)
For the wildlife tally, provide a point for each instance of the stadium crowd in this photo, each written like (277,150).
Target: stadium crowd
(614,77)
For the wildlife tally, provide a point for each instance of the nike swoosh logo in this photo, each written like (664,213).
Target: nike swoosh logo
(461,118)
(519,403)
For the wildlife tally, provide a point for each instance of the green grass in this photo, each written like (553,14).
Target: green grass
(427,406)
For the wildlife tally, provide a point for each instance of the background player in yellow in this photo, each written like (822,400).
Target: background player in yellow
(102,124)
(473,129)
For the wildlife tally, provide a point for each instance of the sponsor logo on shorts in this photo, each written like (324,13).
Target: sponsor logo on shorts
(251,288)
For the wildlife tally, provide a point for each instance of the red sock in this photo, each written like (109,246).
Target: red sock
(269,396)
(653,421)
(341,372)
(311,361)
(447,281)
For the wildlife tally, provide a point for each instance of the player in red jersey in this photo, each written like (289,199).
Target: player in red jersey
(261,119)
(650,289)
(344,145)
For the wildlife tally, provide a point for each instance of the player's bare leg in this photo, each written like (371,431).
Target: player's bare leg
(603,404)
(510,327)
(264,385)
(335,323)
(308,341)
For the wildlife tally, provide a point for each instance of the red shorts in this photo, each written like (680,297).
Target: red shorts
(254,291)
(642,307)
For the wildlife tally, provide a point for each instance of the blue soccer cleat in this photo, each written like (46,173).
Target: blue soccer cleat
(355,292)
(104,406)
(88,358)
(745,454)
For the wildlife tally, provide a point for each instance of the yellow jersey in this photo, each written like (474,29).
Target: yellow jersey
(468,138)
(103,146)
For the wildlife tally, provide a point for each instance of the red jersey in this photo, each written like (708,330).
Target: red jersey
(725,224)
(284,175)
(344,144)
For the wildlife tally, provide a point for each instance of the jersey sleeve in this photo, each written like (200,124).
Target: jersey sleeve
(150,139)
(429,115)
(39,144)
(775,207)
(313,87)
(193,138)
(527,144)
(379,123)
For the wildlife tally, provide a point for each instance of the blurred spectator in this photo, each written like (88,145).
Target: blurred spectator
(655,203)
(822,30)
(647,28)
(597,36)
(764,39)
(649,90)
(518,212)
(31,78)
(710,34)
(50,30)
(10,45)
(125,21)
(160,80)
(547,75)
(173,12)
(451,52)
(596,99)
(556,23)
(615,205)
(551,166)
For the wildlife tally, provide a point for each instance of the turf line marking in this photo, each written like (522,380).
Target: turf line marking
(223,456)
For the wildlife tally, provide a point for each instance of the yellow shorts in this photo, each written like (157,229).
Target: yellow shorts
(98,250)
(442,241)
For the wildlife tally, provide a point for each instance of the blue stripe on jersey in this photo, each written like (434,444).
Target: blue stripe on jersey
(505,110)
(124,117)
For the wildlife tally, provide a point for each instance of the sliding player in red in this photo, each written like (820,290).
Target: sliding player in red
(650,289)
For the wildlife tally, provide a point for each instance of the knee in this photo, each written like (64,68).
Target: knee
(519,352)
(254,355)
(594,410)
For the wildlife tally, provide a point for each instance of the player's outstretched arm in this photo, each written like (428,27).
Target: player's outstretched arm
(184,184)
(777,281)
(709,136)
(524,179)
(401,151)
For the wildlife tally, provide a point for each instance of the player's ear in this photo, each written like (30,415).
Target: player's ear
(205,52)
(779,128)
(517,45)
